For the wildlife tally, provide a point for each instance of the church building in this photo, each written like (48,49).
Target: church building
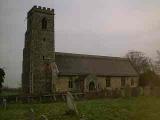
(46,71)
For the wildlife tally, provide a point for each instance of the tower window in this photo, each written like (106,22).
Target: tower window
(43,57)
(44,39)
(44,23)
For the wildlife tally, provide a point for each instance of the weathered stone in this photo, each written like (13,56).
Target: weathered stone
(31,114)
(71,105)
(40,71)
(4,103)
(38,54)
(43,117)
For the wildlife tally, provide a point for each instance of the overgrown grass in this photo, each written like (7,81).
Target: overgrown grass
(8,93)
(146,108)
(140,108)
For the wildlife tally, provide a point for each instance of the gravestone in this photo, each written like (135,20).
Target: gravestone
(31,114)
(54,97)
(127,91)
(141,91)
(43,117)
(76,96)
(4,103)
(64,97)
(71,105)
(122,93)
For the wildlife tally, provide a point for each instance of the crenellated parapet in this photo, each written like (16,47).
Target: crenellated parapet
(41,10)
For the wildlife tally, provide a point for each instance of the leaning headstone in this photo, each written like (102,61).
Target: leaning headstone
(122,93)
(54,97)
(31,114)
(76,96)
(43,117)
(4,103)
(63,97)
(127,91)
(141,92)
(71,105)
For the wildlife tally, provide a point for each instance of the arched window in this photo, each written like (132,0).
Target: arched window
(108,82)
(70,84)
(132,82)
(123,81)
(91,86)
(44,23)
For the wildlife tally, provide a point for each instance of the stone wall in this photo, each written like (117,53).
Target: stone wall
(101,81)
(38,51)
(116,82)
(62,84)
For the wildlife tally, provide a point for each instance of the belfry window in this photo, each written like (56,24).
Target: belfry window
(44,23)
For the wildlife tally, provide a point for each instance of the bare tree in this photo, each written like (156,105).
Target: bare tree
(2,74)
(157,63)
(158,57)
(140,62)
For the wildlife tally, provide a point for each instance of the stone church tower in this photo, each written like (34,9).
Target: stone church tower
(38,53)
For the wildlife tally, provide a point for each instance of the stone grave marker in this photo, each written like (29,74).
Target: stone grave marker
(71,105)
(43,117)
(63,97)
(54,97)
(76,96)
(31,114)
(4,103)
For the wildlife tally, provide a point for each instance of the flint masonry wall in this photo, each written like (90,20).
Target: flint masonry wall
(38,50)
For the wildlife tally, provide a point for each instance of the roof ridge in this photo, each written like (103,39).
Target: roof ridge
(90,56)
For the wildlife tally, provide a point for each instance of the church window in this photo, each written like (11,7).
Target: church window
(43,57)
(44,23)
(70,84)
(123,81)
(108,81)
(44,39)
(132,82)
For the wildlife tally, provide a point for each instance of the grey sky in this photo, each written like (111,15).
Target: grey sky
(101,27)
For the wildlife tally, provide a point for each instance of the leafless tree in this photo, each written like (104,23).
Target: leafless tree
(2,74)
(158,57)
(140,62)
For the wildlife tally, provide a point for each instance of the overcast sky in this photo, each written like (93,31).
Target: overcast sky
(101,27)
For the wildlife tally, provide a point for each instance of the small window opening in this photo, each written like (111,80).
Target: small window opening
(108,81)
(132,82)
(70,84)
(44,23)
(123,81)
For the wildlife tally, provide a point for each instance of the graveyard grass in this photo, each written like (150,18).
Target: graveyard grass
(140,108)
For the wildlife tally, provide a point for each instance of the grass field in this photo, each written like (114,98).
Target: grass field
(8,93)
(140,108)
